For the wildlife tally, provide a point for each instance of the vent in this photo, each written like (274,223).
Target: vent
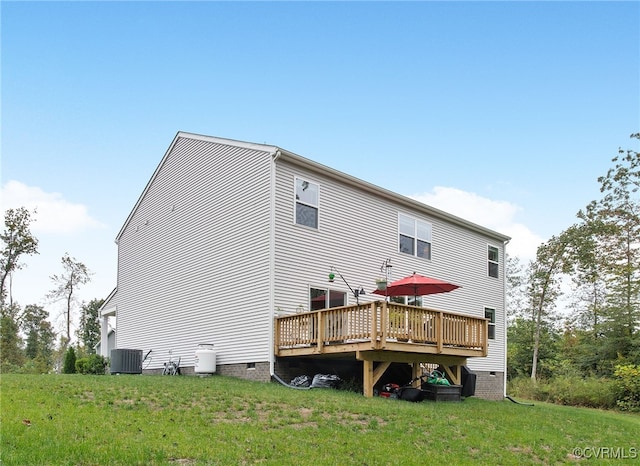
(126,361)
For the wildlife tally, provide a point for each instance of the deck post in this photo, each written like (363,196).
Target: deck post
(485,338)
(439,331)
(375,321)
(384,323)
(367,364)
(276,340)
(416,371)
(371,375)
(320,318)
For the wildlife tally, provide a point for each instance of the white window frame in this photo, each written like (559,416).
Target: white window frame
(491,262)
(492,322)
(408,300)
(297,201)
(415,235)
(327,295)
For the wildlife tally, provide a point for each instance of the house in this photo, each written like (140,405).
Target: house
(231,244)
(111,343)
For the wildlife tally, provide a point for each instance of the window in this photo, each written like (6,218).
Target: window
(323,299)
(409,300)
(307,203)
(491,315)
(415,236)
(494,263)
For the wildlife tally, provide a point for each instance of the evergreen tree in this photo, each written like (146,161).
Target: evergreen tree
(40,337)
(69,361)
(31,323)
(46,347)
(11,354)
(90,331)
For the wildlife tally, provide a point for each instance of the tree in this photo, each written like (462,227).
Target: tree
(44,359)
(66,284)
(520,343)
(18,241)
(32,317)
(516,288)
(89,332)
(588,262)
(608,264)
(40,337)
(620,211)
(11,354)
(69,361)
(544,285)
(585,325)
(601,255)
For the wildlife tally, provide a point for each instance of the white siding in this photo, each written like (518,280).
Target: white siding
(358,231)
(194,256)
(205,257)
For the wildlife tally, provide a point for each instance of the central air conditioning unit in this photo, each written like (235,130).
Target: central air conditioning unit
(126,361)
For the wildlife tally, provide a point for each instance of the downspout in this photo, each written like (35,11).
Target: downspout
(272,262)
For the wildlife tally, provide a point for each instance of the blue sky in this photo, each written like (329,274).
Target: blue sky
(504,113)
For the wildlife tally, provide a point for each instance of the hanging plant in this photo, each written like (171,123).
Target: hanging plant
(381,283)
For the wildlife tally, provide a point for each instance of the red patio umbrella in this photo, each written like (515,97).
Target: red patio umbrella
(416,285)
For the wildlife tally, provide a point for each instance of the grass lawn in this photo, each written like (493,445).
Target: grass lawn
(155,420)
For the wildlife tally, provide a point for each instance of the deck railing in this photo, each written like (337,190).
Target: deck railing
(380,322)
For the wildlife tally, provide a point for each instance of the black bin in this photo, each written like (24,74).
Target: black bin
(468,382)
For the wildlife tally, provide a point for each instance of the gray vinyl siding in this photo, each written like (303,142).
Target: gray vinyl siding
(357,232)
(194,256)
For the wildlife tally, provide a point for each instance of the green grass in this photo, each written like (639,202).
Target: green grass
(155,420)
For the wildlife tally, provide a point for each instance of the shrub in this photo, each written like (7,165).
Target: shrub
(522,387)
(69,361)
(590,392)
(97,364)
(627,387)
(81,365)
(7,367)
(94,364)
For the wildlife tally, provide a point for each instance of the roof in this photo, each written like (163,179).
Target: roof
(284,155)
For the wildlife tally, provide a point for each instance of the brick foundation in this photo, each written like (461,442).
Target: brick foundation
(258,371)
(489,385)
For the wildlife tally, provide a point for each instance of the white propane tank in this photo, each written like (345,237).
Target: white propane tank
(205,362)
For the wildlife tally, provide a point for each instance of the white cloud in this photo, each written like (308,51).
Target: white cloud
(496,215)
(53,214)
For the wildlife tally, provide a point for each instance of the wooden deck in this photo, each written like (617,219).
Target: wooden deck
(382,332)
